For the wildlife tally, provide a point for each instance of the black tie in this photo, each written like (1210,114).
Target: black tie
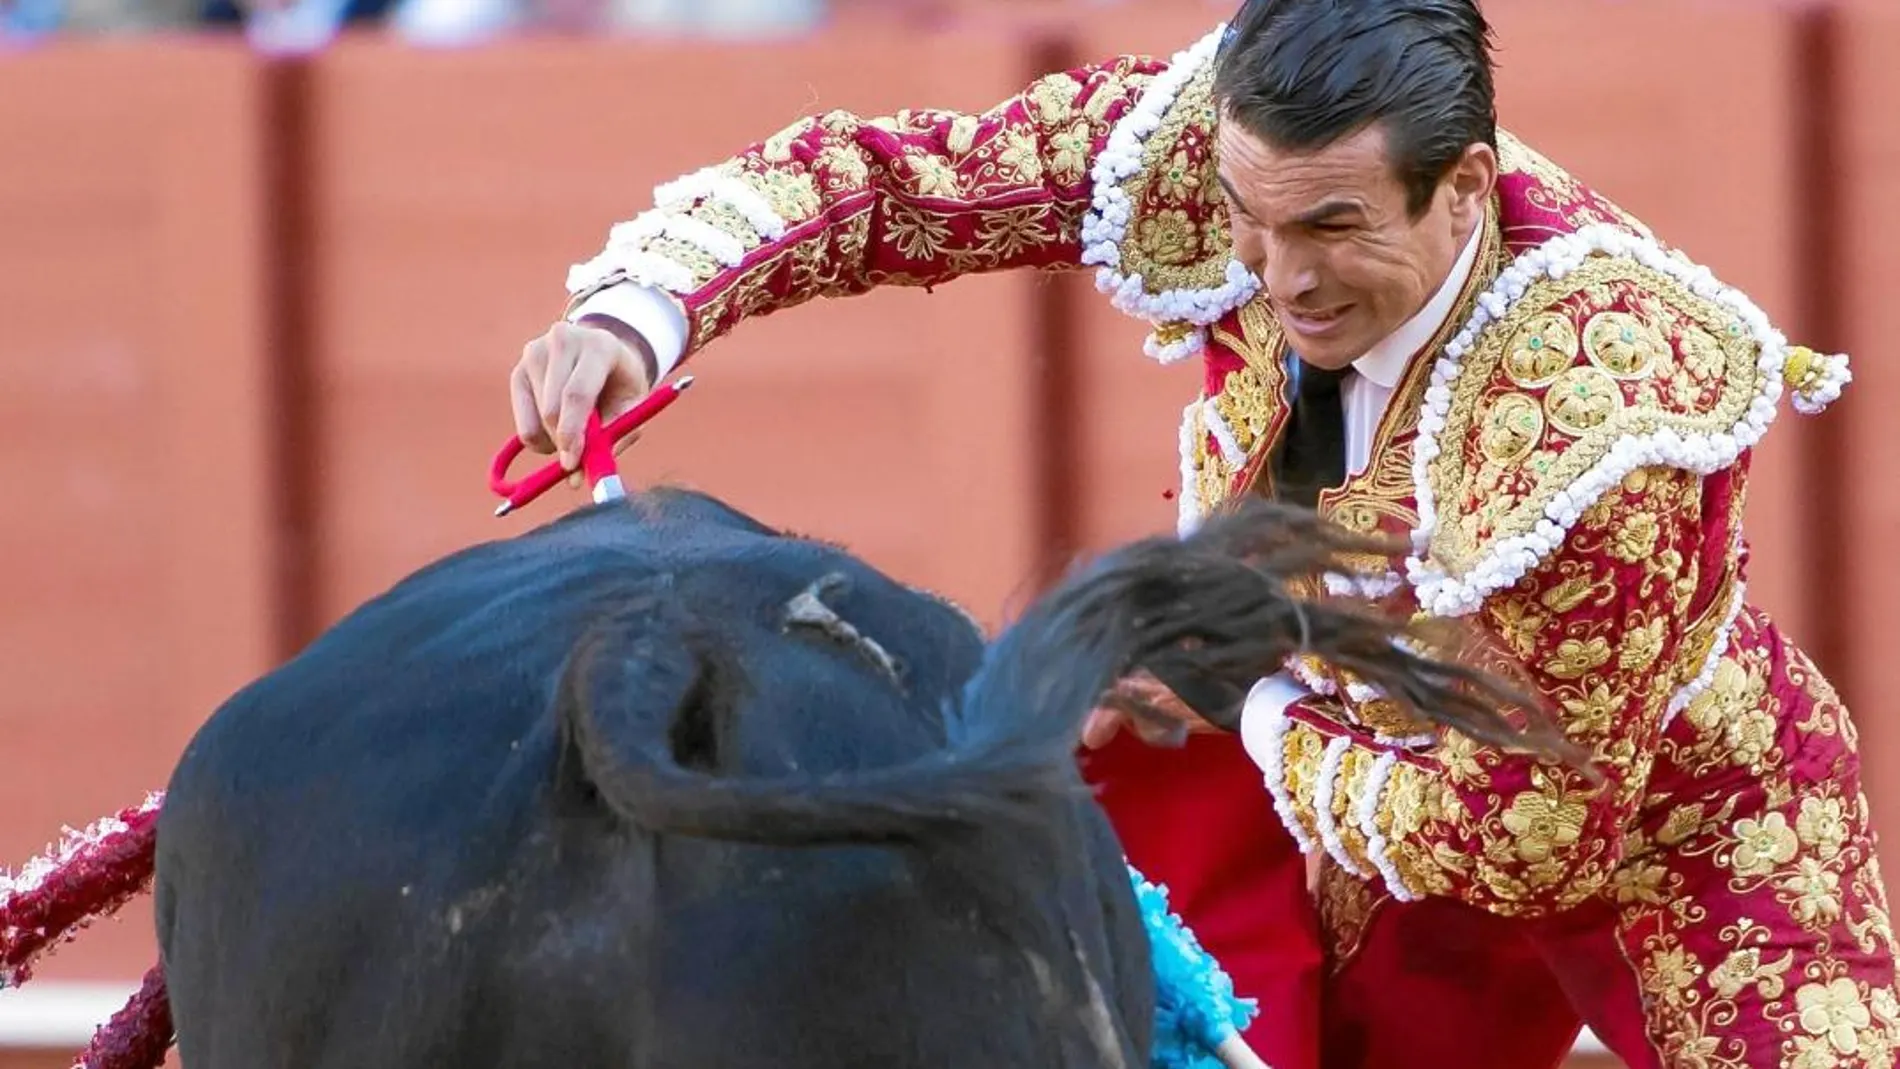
(1313,452)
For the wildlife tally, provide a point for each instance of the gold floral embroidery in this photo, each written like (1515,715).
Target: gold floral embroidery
(687,255)
(1492,502)
(1181,178)
(1822,826)
(1578,585)
(1460,757)
(1575,658)
(1019,162)
(1248,403)
(1346,908)
(1069,154)
(791,194)
(1683,821)
(1176,180)
(1544,346)
(1744,968)
(1833,1011)
(1517,619)
(1642,881)
(1636,538)
(1542,825)
(1761,845)
(843,169)
(1355,769)
(1750,736)
(1168,236)
(934,180)
(1052,100)
(1386,718)
(1812,894)
(1513,424)
(1701,353)
(1622,345)
(1003,234)
(778,147)
(1642,645)
(729,221)
(1304,752)
(916,234)
(1591,716)
(1256,391)
(931,176)
(1731,692)
(1581,400)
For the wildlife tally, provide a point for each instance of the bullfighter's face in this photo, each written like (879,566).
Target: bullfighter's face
(1344,262)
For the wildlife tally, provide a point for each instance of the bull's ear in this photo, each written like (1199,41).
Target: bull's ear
(642,690)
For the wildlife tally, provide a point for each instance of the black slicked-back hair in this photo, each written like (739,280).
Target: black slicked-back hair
(1302,74)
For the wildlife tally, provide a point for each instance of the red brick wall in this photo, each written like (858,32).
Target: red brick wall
(259,319)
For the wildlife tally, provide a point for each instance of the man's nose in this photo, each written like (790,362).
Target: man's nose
(1288,272)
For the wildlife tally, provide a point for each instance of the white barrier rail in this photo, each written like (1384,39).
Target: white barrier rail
(58,1015)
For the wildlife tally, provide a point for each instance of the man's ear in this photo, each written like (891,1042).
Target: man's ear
(1471,182)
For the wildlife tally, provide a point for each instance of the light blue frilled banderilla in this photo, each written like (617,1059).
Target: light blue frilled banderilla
(1196,1010)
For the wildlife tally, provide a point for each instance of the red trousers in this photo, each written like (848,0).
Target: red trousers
(1694,959)
(1199,822)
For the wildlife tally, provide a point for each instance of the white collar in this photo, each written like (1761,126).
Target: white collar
(1385,362)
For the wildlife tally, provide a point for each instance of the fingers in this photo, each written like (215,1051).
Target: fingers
(1159,729)
(521,394)
(1100,728)
(562,378)
(579,395)
(1105,723)
(566,375)
(562,353)
(1145,706)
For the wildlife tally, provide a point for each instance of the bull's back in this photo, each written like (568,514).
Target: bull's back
(329,833)
(374,856)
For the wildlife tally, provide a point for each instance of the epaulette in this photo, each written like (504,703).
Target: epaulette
(1591,355)
(1156,230)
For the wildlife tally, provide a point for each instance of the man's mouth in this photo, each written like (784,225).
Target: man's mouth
(1313,322)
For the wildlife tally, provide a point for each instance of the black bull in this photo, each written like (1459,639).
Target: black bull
(656,786)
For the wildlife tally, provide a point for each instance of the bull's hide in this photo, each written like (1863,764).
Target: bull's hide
(651,787)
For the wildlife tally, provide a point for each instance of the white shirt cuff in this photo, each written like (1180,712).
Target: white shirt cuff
(1265,706)
(648,312)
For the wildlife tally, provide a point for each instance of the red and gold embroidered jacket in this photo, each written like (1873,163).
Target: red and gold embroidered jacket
(1568,457)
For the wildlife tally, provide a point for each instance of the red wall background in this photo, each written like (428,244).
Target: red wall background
(258,318)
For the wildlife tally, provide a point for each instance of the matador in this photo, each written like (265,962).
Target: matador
(1411,319)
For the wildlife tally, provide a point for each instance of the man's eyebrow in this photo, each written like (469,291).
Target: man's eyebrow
(1233,195)
(1327,212)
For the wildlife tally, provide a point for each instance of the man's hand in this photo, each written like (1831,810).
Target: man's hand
(1144,705)
(571,371)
